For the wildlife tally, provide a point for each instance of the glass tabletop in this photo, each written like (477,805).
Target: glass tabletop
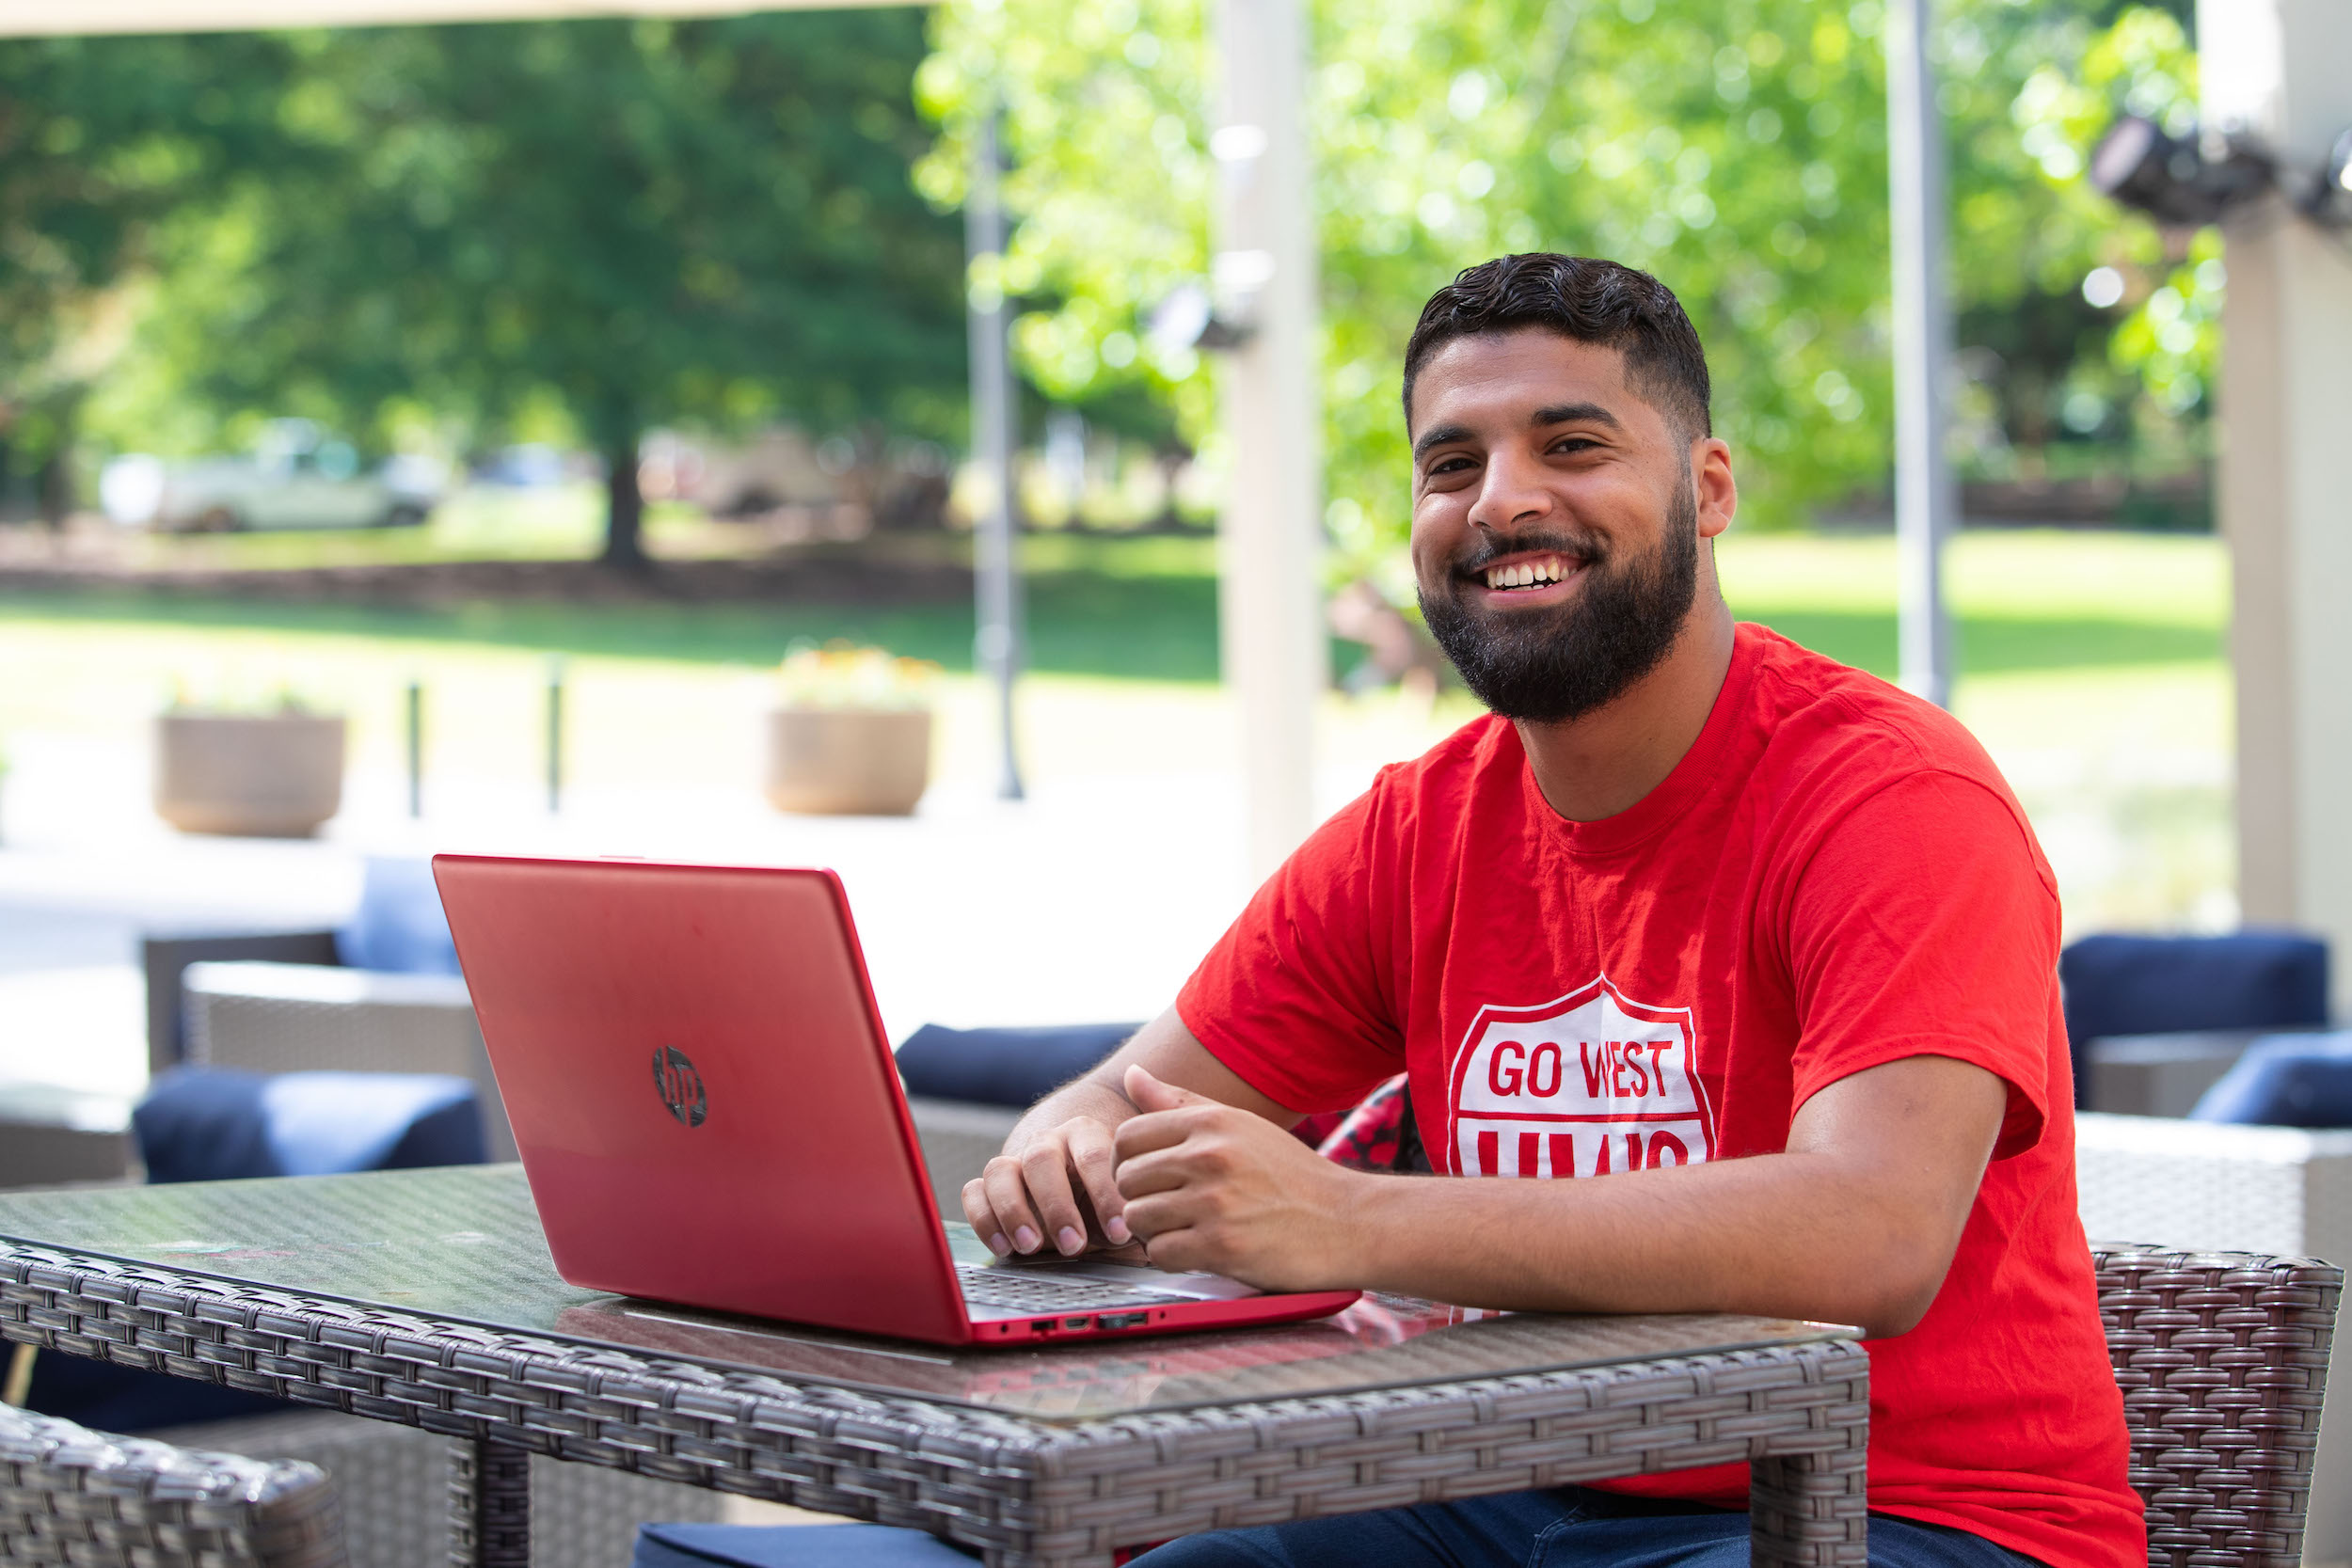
(465,1243)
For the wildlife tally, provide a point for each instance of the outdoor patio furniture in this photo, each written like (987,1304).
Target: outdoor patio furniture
(683,1545)
(393,1483)
(288,1018)
(397,928)
(221,1124)
(2116,984)
(50,1134)
(69,1495)
(2205,1186)
(426,1298)
(1003,1067)
(2222,1357)
(165,955)
(2162,1074)
(2286,1081)
(208,1124)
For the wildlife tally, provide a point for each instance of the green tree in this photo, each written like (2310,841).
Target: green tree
(101,141)
(1735,147)
(630,224)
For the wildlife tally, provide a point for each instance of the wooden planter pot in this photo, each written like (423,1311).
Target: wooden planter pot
(858,762)
(274,776)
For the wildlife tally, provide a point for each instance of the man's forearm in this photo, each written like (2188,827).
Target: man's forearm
(1781,1235)
(1090,1094)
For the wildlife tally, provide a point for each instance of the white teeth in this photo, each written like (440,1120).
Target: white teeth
(1527,573)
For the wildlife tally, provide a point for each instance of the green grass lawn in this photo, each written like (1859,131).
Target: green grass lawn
(1146,609)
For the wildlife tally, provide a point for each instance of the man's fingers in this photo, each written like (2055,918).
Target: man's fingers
(1157,1130)
(1096,1160)
(1148,1094)
(978,1214)
(1045,1166)
(1007,1196)
(1146,1173)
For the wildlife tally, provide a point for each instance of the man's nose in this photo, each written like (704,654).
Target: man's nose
(1512,491)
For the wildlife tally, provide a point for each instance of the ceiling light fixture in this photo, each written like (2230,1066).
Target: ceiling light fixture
(2196,180)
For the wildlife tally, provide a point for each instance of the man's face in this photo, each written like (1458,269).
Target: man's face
(1555,526)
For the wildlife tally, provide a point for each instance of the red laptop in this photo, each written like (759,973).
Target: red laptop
(708,1114)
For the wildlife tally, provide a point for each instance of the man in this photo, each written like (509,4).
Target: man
(1742,962)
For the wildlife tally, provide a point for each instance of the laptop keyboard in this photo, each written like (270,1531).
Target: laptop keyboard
(1018,1291)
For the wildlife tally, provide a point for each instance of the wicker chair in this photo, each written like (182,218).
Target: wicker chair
(71,1495)
(2222,1357)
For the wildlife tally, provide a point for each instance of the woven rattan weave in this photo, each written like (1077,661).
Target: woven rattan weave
(2222,1357)
(74,1496)
(1020,1486)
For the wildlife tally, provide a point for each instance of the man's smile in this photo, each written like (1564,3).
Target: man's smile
(1528,578)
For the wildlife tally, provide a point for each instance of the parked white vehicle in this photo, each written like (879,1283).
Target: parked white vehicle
(296,477)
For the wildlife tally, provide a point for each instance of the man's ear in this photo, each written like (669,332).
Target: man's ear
(1715,492)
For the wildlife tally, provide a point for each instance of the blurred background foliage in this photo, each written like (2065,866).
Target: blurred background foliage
(1735,147)
(577,231)
(455,235)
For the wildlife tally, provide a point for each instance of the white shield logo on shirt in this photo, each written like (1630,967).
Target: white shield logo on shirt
(1583,1085)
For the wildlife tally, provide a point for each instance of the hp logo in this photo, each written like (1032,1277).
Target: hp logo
(679,1086)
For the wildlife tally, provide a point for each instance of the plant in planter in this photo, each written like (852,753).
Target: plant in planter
(265,770)
(851,734)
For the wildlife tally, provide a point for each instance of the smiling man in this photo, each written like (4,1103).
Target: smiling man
(1727,975)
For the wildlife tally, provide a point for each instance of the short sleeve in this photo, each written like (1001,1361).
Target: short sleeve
(1925,924)
(1291,997)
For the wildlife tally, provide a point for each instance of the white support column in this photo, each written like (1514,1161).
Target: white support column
(995,540)
(2282,68)
(1270,597)
(1926,503)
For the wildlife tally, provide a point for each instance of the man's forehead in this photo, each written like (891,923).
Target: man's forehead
(1512,374)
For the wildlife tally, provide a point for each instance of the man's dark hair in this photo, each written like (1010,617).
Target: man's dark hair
(1591,301)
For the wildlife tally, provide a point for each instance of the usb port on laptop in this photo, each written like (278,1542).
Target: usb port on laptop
(1121,1319)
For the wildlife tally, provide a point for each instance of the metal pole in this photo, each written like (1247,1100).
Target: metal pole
(555,735)
(997,583)
(1925,502)
(416,748)
(1270,592)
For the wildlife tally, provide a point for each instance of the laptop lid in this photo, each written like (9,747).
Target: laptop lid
(700,1088)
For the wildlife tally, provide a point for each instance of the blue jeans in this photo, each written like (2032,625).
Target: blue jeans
(1569,1528)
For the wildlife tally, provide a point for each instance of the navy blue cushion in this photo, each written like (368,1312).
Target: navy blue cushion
(1004,1067)
(2136,985)
(399,926)
(2286,1081)
(221,1124)
(793,1546)
(109,1398)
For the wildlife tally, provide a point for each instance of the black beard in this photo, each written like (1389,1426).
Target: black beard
(1548,668)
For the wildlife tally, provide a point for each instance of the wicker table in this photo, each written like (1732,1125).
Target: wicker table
(428,1298)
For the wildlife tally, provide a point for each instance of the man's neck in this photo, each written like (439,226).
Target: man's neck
(1604,762)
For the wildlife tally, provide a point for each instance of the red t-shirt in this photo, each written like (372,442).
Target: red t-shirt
(1834,877)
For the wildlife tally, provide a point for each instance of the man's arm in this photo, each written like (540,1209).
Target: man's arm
(1856,1223)
(1056,1173)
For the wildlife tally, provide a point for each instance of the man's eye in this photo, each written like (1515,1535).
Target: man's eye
(1574,443)
(1449,465)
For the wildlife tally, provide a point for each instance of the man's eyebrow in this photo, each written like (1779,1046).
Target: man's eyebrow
(1573,413)
(1438,436)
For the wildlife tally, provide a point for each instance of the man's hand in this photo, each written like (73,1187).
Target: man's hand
(1030,1191)
(1053,1185)
(1210,1186)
